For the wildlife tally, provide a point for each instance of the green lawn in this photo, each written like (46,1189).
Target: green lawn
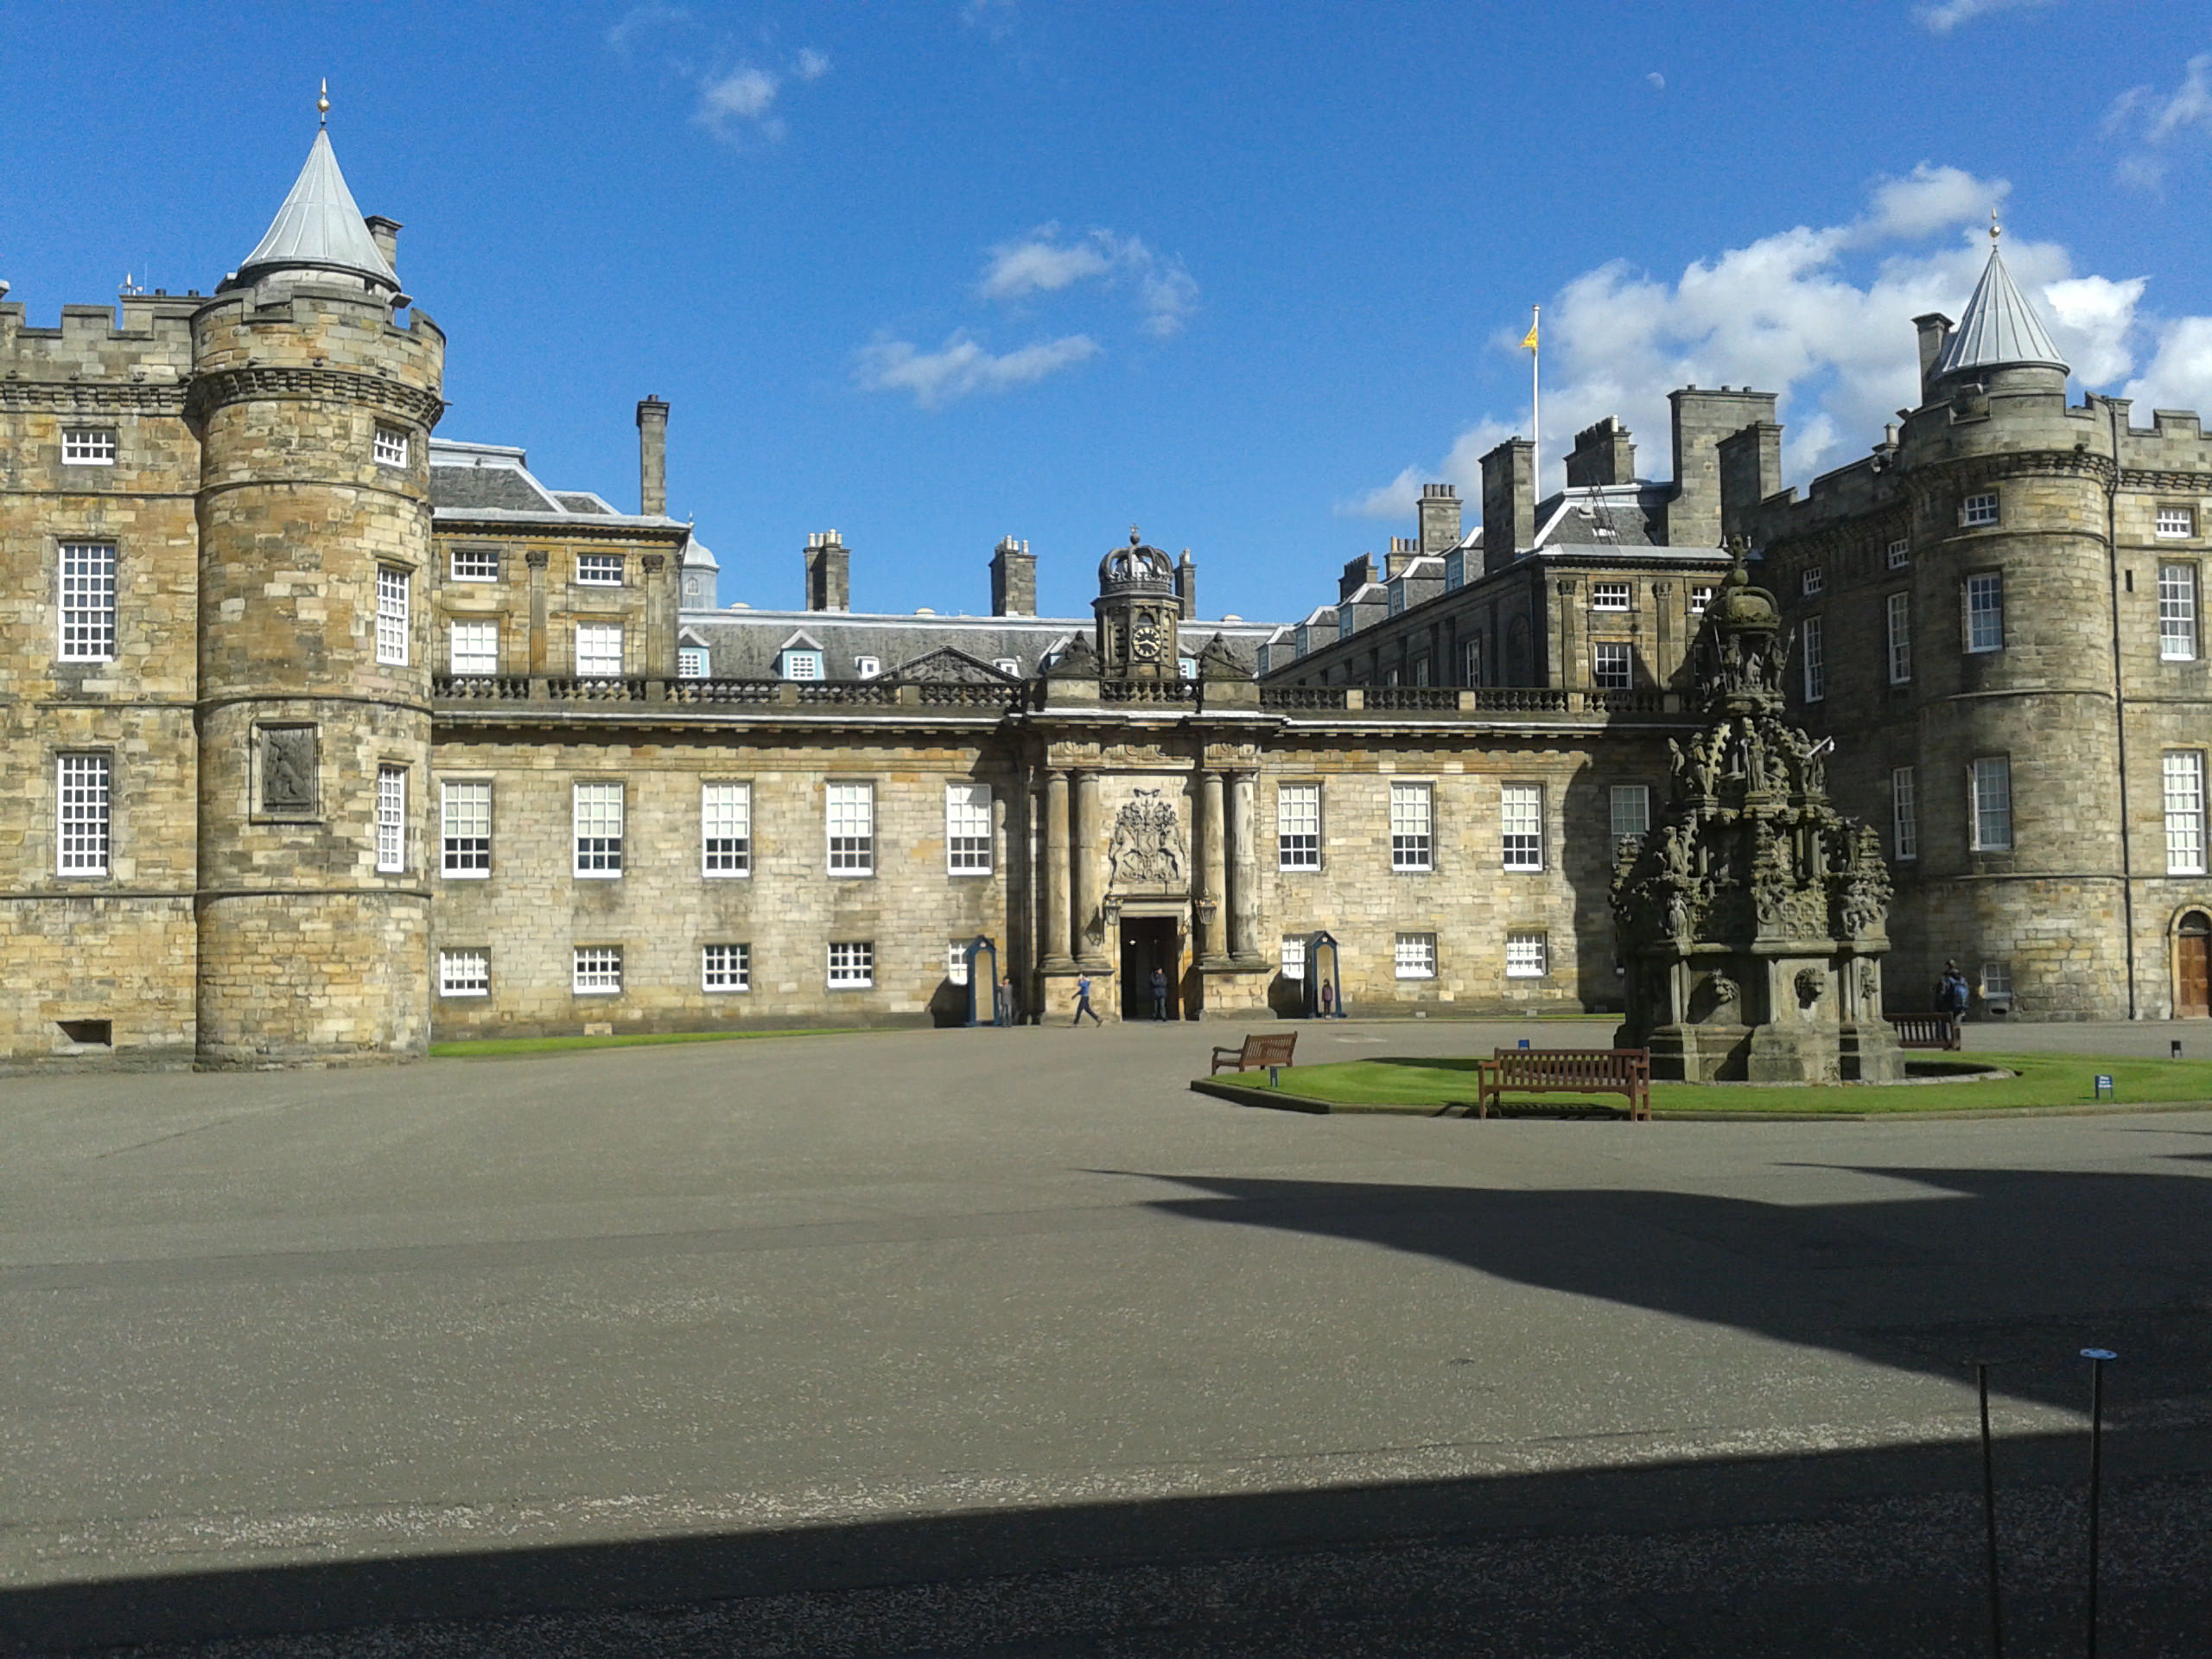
(1426,1083)
(500,1048)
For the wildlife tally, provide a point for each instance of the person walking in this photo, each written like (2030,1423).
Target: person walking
(1006,1001)
(1159,994)
(1083,1002)
(1954,993)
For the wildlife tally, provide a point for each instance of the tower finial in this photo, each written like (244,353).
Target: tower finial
(1995,229)
(322,104)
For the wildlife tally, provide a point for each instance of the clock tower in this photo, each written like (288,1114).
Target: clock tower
(1137,609)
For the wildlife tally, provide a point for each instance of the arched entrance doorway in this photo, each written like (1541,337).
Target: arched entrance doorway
(2193,966)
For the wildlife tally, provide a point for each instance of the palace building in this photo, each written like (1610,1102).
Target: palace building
(325,736)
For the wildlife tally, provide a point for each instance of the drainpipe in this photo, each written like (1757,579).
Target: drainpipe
(2120,708)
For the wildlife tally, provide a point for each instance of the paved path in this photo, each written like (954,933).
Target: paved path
(656,1325)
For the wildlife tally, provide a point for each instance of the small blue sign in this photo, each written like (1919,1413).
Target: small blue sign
(1524,1042)
(2104,1084)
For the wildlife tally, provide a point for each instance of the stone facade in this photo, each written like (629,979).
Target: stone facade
(306,787)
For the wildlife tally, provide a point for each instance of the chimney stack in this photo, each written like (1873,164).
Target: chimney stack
(385,232)
(1751,471)
(652,458)
(1935,335)
(1013,579)
(1186,584)
(1358,574)
(829,572)
(1602,455)
(1509,503)
(1439,524)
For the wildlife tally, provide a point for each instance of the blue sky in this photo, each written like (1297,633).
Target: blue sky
(1243,274)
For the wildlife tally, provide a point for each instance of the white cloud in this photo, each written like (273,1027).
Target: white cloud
(962,367)
(641,20)
(1658,81)
(1822,317)
(745,96)
(1944,16)
(2153,120)
(1046,260)
(810,65)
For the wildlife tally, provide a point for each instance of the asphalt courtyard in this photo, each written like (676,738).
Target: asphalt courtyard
(1007,1343)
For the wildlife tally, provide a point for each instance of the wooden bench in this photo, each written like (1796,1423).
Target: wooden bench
(1255,1052)
(1565,1072)
(1925,1030)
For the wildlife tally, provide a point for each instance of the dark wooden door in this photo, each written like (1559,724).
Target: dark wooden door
(1150,942)
(2194,966)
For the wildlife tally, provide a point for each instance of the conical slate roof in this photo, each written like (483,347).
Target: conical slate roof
(319,227)
(2000,330)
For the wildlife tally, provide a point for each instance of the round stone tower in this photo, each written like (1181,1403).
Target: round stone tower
(314,410)
(2021,874)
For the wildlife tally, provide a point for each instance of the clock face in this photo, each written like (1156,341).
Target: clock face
(1144,639)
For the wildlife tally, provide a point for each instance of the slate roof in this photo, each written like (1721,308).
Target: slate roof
(1999,329)
(319,227)
(744,644)
(490,481)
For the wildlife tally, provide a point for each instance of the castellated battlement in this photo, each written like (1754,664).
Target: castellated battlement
(151,342)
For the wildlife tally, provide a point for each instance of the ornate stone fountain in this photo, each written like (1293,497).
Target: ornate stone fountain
(1752,917)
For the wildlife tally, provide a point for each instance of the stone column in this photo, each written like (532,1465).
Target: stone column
(1083,865)
(536,561)
(660,616)
(1213,875)
(1056,959)
(1243,869)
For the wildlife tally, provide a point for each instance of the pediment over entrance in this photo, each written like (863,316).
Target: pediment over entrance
(949,665)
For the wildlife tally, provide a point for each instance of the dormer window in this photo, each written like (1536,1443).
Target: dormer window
(1187,667)
(691,661)
(1008,665)
(868,668)
(802,665)
(599,570)
(87,446)
(390,446)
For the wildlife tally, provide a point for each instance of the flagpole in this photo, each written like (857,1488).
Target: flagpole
(1535,398)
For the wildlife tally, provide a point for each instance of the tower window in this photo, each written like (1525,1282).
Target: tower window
(1897,610)
(391,616)
(2184,793)
(87,601)
(87,446)
(390,446)
(2177,521)
(1904,815)
(1992,778)
(1979,512)
(82,798)
(1812,655)
(1815,581)
(392,819)
(2177,613)
(1900,555)
(1985,612)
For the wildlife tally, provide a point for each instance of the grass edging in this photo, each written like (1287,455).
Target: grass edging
(507,1048)
(1282,1100)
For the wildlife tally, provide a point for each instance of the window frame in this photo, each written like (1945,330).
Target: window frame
(1896,632)
(606,965)
(1813,658)
(592,568)
(1813,582)
(86,571)
(1413,851)
(961,840)
(392,819)
(475,627)
(2182,528)
(1615,794)
(1290,956)
(1417,949)
(604,859)
(476,556)
(2179,612)
(726,803)
(1519,850)
(791,657)
(1900,553)
(1980,510)
(1701,595)
(1520,941)
(1614,597)
(1292,853)
(856,860)
(694,662)
(1984,603)
(2184,824)
(1904,814)
(1614,657)
(390,447)
(105,448)
(867,668)
(1993,767)
(464,856)
(453,956)
(599,631)
(88,832)
(394,614)
(859,965)
(735,972)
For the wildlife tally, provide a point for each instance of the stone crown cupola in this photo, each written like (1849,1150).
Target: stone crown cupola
(1138,609)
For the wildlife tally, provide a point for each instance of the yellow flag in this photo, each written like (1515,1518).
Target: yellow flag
(1529,344)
